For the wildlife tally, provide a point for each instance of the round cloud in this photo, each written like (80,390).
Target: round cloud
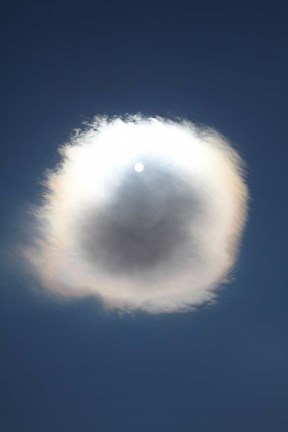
(145,213)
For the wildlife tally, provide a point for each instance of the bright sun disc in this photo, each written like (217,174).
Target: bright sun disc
(139,167)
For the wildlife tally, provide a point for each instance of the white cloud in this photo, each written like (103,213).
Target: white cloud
(145,213)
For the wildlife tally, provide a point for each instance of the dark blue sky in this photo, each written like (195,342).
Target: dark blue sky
(71,367)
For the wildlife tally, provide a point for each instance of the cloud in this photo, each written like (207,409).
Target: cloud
(144,213)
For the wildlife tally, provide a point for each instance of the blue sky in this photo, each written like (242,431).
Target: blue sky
(71,366)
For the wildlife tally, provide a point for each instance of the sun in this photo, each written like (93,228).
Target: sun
(139,167)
